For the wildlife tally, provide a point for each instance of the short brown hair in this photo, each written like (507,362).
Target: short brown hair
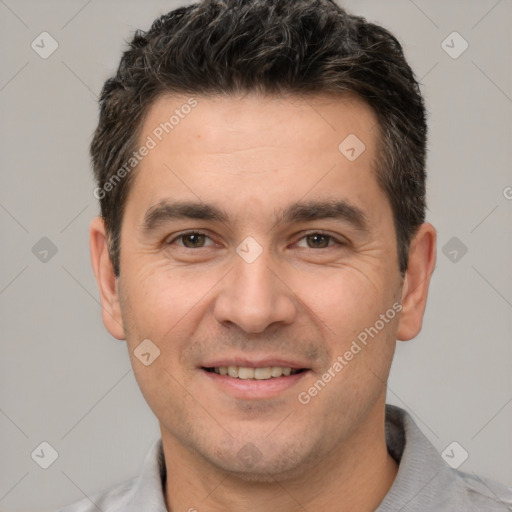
(273,47)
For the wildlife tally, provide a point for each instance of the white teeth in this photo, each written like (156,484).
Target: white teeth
(233,371)
(245,373)
(277,371)
(263,373)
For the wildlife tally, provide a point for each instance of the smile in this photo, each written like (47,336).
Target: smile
(257,382)
(248,373)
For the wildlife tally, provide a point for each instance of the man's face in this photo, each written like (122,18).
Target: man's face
(270,285)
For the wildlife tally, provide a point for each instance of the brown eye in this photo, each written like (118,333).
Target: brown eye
(195,240)
(320,241)
(191,240)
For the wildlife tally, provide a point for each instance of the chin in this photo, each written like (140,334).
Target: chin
(274,464)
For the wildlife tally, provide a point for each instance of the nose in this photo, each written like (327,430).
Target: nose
(254,297)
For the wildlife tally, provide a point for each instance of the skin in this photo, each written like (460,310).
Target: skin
(301,298)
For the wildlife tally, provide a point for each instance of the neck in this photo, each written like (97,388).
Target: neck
(355,476)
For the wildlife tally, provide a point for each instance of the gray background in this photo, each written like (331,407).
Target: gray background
(64,380)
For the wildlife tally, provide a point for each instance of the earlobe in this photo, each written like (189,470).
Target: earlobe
(422,260)
(106,279)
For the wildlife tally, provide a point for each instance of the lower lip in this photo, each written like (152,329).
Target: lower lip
(253,388)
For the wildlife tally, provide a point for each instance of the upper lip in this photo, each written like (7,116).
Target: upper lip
(255,362)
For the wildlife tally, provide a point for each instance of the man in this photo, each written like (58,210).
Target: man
(261,247)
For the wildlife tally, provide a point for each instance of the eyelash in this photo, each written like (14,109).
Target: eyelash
(330,237)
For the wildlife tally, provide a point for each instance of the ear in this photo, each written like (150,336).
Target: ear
(422,260)
(106,279)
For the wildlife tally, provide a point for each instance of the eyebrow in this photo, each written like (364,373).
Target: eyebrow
(305,211)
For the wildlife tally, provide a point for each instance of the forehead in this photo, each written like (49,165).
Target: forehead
(257,149)
(242,121)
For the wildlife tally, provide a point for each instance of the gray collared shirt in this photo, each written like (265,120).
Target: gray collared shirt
(424,483)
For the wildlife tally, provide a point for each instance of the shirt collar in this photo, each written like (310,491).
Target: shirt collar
(149,492)
(422,473)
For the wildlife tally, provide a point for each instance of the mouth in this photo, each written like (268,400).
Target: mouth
(254,373)
(250,380)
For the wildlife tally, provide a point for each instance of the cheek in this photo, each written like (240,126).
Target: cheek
(164,390)
(346,299)
(348,307)
(160,297)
